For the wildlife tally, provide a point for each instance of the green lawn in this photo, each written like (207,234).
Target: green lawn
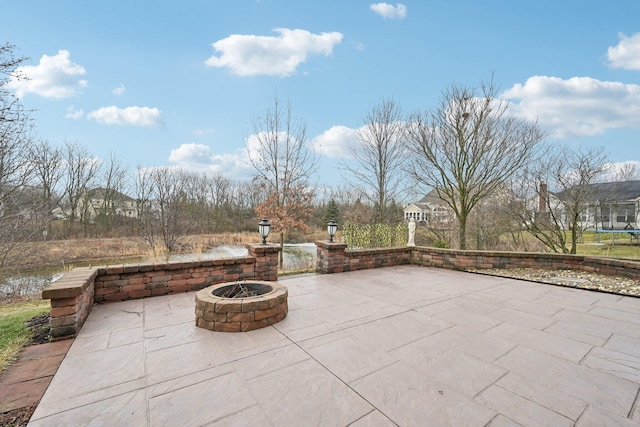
(13,333)
(606,247)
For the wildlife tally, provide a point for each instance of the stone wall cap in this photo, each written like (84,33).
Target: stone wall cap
(328,244)
(71,284)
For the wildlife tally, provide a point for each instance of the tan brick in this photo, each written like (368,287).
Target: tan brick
(63,302)
(160,277)
(253,305)
(179,289)
(62,321)
(197,281)
(120,296)
(115,283)
(198,274)
(174,283)
(275,319)
(140,294)
(240,317)
(205,324)
(227,327)
(228,306)
(63,311)
(159,291)
(263,314)
(249,326)
(214,317)
(106,291)
(138,280)
(132,288)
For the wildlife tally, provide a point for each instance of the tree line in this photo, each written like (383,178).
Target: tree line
(483,163)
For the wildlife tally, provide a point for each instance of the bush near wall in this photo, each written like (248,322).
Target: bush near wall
(364,236)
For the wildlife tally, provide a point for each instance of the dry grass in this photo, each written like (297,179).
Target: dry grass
(68,252)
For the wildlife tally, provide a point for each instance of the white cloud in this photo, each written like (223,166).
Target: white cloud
(199,157)
(335,142)
(119,90)
(134,116)
(54,77)
(579,106)
(250,55)
(72,113)
(386,10)
(626,54)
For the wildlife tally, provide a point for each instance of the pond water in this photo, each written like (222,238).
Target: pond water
(296,257)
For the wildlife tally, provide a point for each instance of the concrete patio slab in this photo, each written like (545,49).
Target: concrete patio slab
(395,346)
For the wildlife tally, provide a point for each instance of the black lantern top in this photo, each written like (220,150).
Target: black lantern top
(332,227)
(264,228)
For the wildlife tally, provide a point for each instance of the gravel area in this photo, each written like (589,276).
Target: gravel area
(570,278)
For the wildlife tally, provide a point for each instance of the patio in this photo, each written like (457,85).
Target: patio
(393,346)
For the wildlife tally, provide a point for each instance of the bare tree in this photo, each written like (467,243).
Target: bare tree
(81,170)
(220,189)
(628,171)
(48,169)
(574,172)
(163,208)
(379,158)
(17,201)
(468,147)
(109,196)
(547,214)
(283,165)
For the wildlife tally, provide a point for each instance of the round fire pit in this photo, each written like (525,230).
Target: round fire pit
(241,306)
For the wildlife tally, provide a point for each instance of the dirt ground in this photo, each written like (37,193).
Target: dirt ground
(18,417)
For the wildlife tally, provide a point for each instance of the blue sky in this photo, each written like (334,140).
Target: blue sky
(179,82)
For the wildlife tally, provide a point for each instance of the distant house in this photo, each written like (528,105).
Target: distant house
(612,206)
(431,209)
(111,202)
(101,202)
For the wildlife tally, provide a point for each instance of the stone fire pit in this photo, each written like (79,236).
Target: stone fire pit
(226,307)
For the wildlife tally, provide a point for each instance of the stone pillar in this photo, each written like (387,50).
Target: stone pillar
(331,257)
(72,298)
(266,266)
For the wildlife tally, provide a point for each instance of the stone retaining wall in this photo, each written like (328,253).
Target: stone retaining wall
(464,260)
(119,283)
(335,258)
(73,295)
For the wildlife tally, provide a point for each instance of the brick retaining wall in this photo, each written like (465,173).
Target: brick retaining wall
(73,296)
(464,260)
(334,257)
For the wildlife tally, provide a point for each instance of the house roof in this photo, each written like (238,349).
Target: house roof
(101,193)
(430,198)
(611,191)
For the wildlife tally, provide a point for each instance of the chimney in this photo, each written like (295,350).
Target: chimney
(542,197)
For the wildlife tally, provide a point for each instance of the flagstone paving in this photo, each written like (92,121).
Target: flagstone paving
(401,346)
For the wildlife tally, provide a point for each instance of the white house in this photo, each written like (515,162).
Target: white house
(100,201)
(431,209)
(612,206)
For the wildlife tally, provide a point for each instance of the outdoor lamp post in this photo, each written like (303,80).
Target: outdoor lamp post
(332,227)
(264,228)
